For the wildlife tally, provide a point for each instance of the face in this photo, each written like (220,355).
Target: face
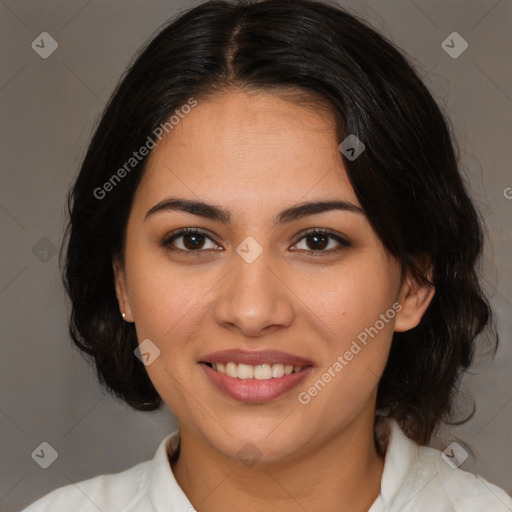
(260,270)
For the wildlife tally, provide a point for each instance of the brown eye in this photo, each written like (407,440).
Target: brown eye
(194,241)
(317,242)
(321,241)
(190,240)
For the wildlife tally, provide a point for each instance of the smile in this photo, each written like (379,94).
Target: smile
(254,384)
(258,372)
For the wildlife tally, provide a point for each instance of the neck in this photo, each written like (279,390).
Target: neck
(342,474)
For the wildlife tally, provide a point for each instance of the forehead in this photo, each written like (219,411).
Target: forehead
(259,146)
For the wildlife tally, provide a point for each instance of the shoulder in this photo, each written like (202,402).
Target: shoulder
(462,490)
(120,492)
(420,479)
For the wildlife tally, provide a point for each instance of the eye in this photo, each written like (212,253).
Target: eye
(190,240)
(196,240)
(320,241)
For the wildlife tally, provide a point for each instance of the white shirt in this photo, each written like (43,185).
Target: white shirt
(415,479)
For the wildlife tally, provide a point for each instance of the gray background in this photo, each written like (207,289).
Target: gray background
(48,109)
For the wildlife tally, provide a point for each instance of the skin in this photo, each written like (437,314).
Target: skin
(255,154)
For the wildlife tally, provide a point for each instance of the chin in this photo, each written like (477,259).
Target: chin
(257,446)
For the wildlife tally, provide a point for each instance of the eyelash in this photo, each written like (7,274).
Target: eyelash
(343,242)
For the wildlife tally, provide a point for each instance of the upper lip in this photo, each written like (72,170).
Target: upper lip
(255,357)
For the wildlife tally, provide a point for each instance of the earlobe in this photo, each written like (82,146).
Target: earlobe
(122,291)
(415,297)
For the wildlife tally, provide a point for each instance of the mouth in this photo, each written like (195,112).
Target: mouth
(263,371)
(254,384)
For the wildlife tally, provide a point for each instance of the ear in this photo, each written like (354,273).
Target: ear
(414,297)
(122,290)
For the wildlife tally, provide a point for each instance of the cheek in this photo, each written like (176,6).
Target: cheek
(169,309)
(353,351)
(347,300)
(160,293)
(345,308)
(166,303)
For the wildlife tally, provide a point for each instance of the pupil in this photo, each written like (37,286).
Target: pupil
(316,242)
(193,241)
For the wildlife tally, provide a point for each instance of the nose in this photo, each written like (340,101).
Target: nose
(253,299)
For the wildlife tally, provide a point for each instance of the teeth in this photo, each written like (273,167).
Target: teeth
(244,371)
(231,370)
(277,370)
(258,372)
(263,372)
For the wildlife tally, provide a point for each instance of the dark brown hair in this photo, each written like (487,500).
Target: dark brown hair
(407,181)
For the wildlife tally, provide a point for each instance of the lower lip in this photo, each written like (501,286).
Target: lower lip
(253,390)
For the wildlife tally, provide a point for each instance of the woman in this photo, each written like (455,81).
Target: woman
(270,234)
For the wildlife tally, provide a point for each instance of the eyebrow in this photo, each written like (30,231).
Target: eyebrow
(213,212)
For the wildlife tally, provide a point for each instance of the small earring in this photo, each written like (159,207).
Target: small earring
(124,315)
